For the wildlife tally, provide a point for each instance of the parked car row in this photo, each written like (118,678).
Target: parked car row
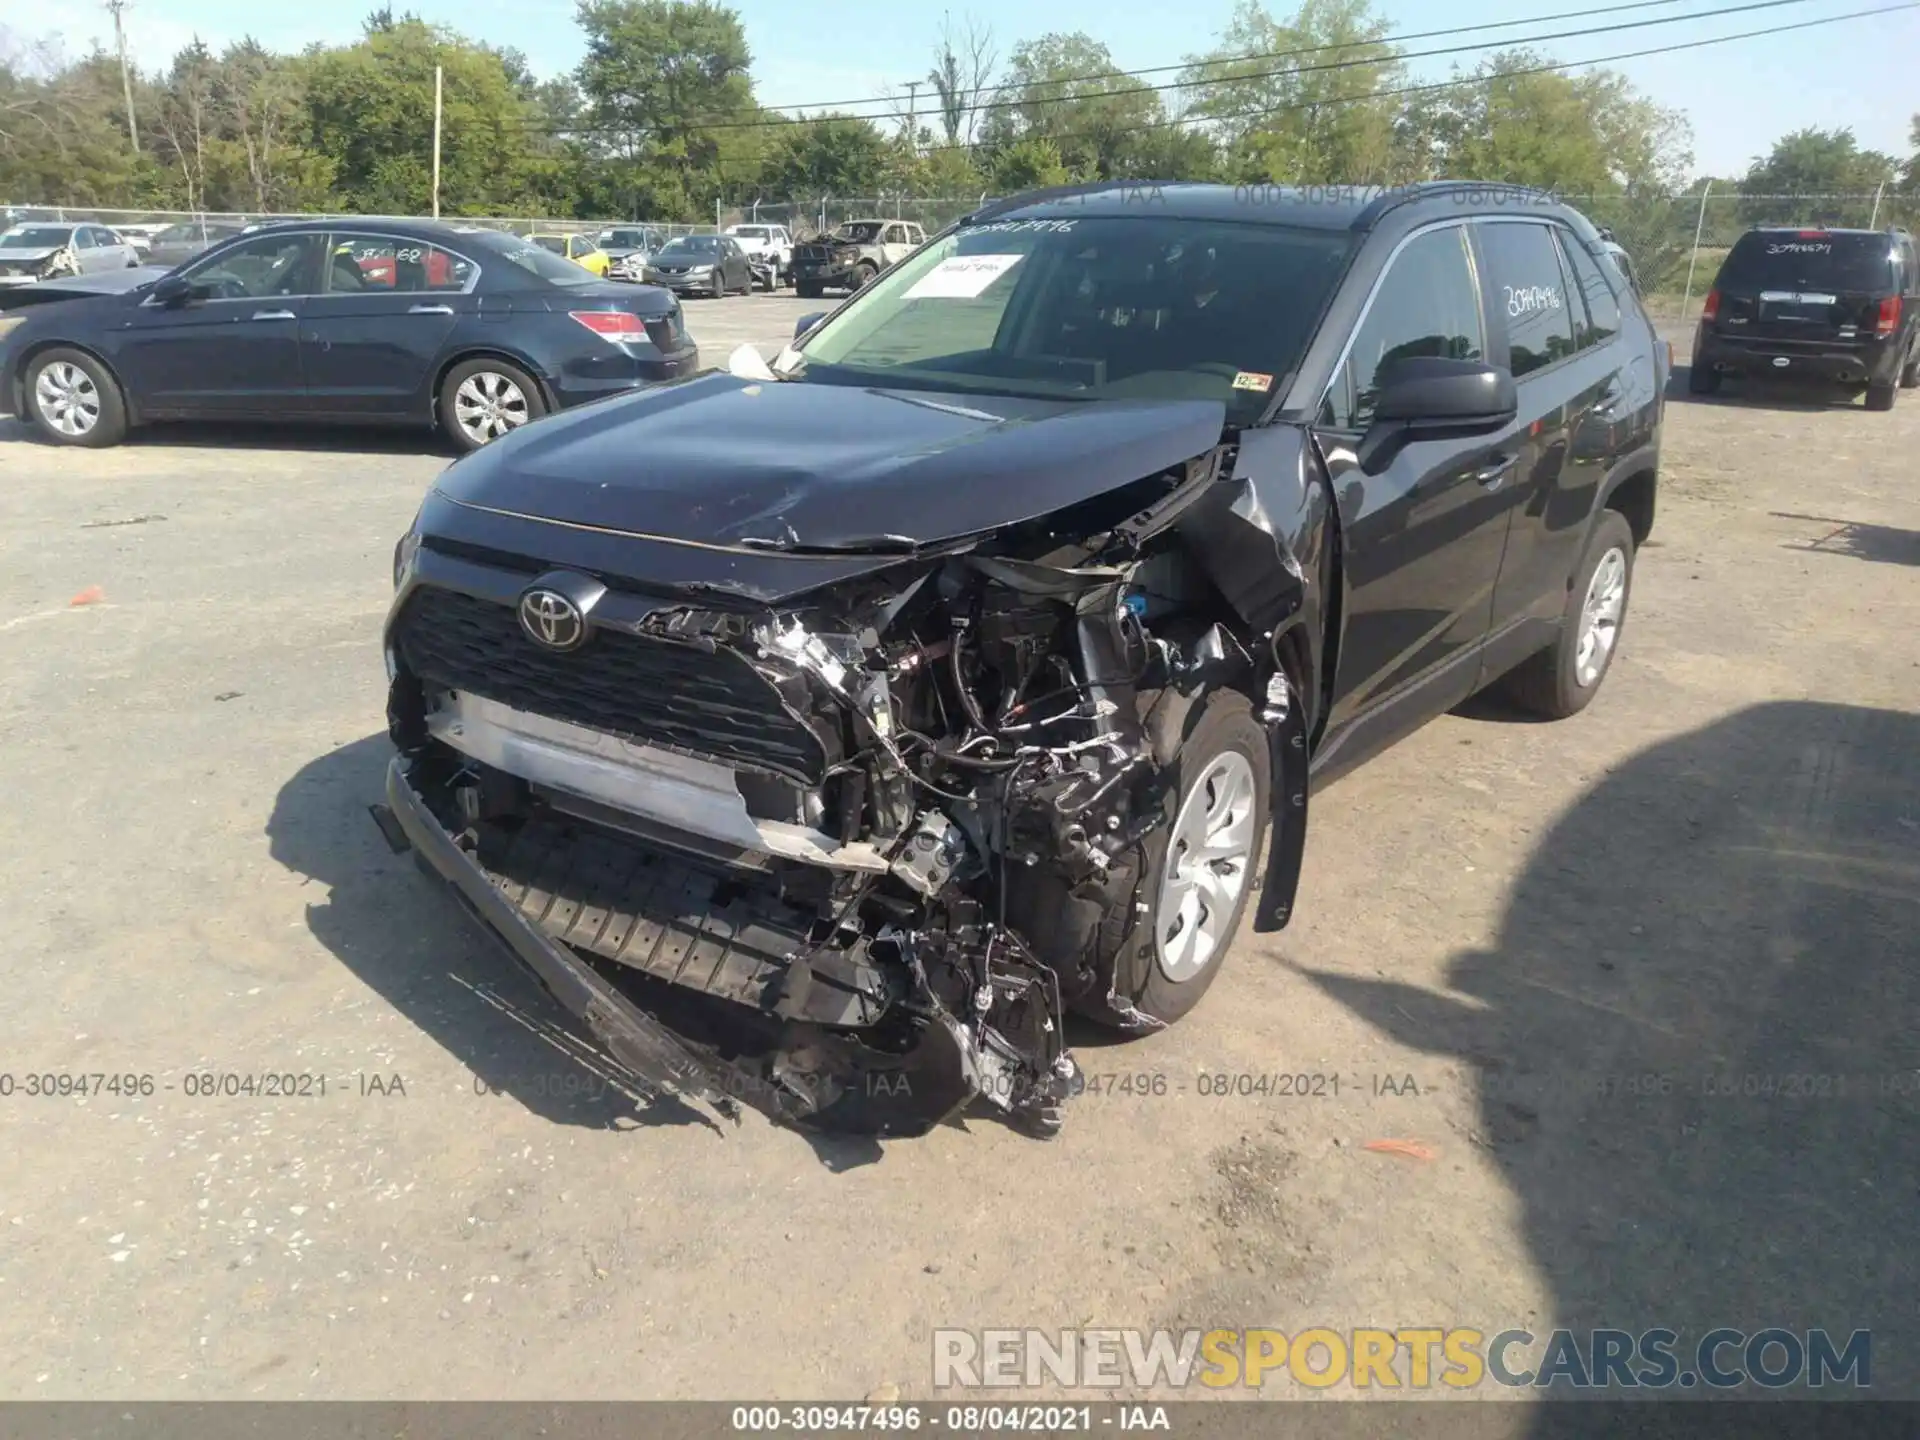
(473,330)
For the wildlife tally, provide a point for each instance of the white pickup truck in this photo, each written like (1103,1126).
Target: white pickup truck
(766,240)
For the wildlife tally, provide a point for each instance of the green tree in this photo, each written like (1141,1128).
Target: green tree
(1298,120)
(831,155)
(370,112)
(1063,90)
(658,76)
(1813,162)
(1585,134)
(1027,165)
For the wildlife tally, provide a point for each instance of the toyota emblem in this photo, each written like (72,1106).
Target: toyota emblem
(552,620)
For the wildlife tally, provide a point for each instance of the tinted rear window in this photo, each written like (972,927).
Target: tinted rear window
(1782,259)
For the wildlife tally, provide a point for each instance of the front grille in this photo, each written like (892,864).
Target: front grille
(653,691)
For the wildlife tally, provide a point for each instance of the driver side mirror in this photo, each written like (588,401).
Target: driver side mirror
(807,322)
(173,290)
(1428,397)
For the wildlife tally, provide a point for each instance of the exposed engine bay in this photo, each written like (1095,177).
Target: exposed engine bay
(862,855)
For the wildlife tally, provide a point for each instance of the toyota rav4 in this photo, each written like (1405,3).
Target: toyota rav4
(822,733)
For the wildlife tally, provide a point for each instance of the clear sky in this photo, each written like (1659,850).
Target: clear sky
(1739,97)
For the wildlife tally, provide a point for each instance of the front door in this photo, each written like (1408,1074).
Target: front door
(234,349)
(1423,537)
(369,342)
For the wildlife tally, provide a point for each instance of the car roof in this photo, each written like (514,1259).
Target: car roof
(396,225)
(1313,207)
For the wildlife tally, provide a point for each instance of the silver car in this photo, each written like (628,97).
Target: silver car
(44,252)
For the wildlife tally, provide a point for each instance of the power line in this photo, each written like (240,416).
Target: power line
(1399,57)
(1470,80)
(1388,38)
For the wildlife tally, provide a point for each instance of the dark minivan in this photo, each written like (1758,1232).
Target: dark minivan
(1832,305)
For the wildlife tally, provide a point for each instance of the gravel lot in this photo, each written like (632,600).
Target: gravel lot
(1561,942)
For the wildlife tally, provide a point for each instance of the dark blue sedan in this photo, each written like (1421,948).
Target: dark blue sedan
(372,322)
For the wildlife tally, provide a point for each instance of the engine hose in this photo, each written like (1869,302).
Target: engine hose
(967,702)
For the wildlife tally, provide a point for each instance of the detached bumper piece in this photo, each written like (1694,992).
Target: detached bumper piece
(711,990)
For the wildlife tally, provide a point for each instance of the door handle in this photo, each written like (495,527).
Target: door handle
(429,310)
(1494,473)
(273,315)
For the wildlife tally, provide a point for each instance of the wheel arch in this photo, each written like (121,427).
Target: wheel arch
(485,352)
(1635,496)
(17,375)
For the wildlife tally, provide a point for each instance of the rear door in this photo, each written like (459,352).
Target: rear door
(1562,324)
(1819,286)
(369,342)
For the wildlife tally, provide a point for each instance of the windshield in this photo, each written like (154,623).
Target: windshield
(750,232)
(36,237)
(860,230)
(631,238)
(534,256)
(1099,309)
(690,245)
(1798,259)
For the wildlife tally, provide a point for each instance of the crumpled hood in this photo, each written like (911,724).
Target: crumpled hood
(12,256)
(718,460)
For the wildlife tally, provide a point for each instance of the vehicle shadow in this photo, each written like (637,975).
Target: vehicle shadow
(337,439)
(1801,396)
(1884,543)
(1693,1044)
(416,948)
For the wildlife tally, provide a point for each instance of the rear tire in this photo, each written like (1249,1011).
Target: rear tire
(1881,397)
(1703,380)
(481,400)
(73,399)
(1562,680)
(1910,373)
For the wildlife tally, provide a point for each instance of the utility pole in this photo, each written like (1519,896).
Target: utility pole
(913,108)
(436,141)
(126,76)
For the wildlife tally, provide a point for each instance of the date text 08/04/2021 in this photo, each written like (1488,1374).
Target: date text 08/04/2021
(1041,1419)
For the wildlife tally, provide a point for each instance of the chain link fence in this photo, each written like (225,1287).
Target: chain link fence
(1677,241)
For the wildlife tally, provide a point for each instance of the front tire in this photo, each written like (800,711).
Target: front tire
(863,274)
(481,400)
(807,289)
(74,400)
(1200,874)
(1562,680)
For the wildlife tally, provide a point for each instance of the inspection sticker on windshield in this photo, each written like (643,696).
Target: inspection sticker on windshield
(961,277)
(1252,380)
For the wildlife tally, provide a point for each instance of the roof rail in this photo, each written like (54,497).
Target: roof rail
(1050,193)
(1395,196)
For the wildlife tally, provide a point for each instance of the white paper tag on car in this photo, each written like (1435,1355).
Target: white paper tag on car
(961,277)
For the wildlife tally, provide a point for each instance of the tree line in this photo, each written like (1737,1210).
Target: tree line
(661,120)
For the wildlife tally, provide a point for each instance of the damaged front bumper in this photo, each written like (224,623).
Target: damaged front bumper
(834,1039)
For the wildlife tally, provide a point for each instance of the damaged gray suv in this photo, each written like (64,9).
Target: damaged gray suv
(823,734)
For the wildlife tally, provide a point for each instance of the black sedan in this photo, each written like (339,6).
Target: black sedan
(391,322)
(705,264)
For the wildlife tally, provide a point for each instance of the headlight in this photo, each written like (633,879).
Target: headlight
(404,551)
